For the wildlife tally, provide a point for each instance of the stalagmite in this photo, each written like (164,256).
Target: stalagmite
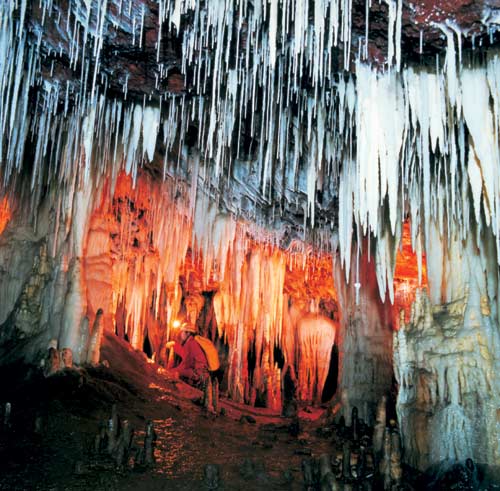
(307,470)
(211,476)
(328,481)
(149,444)
(346,461)
(84,342)
(396,471)
(74,307)
(52,362)
(100,439)
(355,424)
(361,466)
(385,463)
(378,432)
(7,415)
(66,356)
(94,351)
(123,445)
(112,429)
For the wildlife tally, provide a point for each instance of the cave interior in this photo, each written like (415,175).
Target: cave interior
(312,184)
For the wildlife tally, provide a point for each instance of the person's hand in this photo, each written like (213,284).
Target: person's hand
(170,344)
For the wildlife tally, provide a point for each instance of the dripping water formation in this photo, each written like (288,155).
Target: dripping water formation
(311,185)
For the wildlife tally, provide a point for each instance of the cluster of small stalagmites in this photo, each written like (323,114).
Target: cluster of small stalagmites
(350,465)
(390,460)
(57,360)
(114,445)
(366,458)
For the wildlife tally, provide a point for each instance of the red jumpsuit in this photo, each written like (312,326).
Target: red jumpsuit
(194,365)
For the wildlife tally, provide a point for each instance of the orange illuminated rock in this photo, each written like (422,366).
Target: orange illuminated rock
(5,214)
(406,276)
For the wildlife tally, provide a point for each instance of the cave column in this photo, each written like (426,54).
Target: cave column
(447,357)
(364,342)
(74,329)
(98,275)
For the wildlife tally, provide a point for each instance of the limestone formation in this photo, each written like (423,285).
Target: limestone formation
(378,432)
(74,308)
(149,444)
(385,462)
(94,350)
(7,414)
(66,356)
(249,153)
(112,430)
(396,471)
(346,461)
(123,445)
(327,478)
(211,476)
(446,401)
(365,345)
(52,362)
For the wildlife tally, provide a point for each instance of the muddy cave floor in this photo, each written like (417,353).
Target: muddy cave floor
(49,443)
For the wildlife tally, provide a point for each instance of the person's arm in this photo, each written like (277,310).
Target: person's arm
(185,367)
(177,347)
(179,350)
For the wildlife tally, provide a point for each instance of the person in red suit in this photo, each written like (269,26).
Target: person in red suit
(193,367)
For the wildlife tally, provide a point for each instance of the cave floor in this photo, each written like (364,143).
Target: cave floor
(49,443)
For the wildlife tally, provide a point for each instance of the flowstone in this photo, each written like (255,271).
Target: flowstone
(448,399)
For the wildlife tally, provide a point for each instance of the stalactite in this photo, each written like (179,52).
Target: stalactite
(315,338)
(117,264)
(423,106)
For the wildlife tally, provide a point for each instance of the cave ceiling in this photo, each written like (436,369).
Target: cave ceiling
(131,60)
(119,39)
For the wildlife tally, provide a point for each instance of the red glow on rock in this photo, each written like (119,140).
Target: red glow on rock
(406,276)
(145,267)
(5,214)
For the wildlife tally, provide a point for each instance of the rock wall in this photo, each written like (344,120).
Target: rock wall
(446,358)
